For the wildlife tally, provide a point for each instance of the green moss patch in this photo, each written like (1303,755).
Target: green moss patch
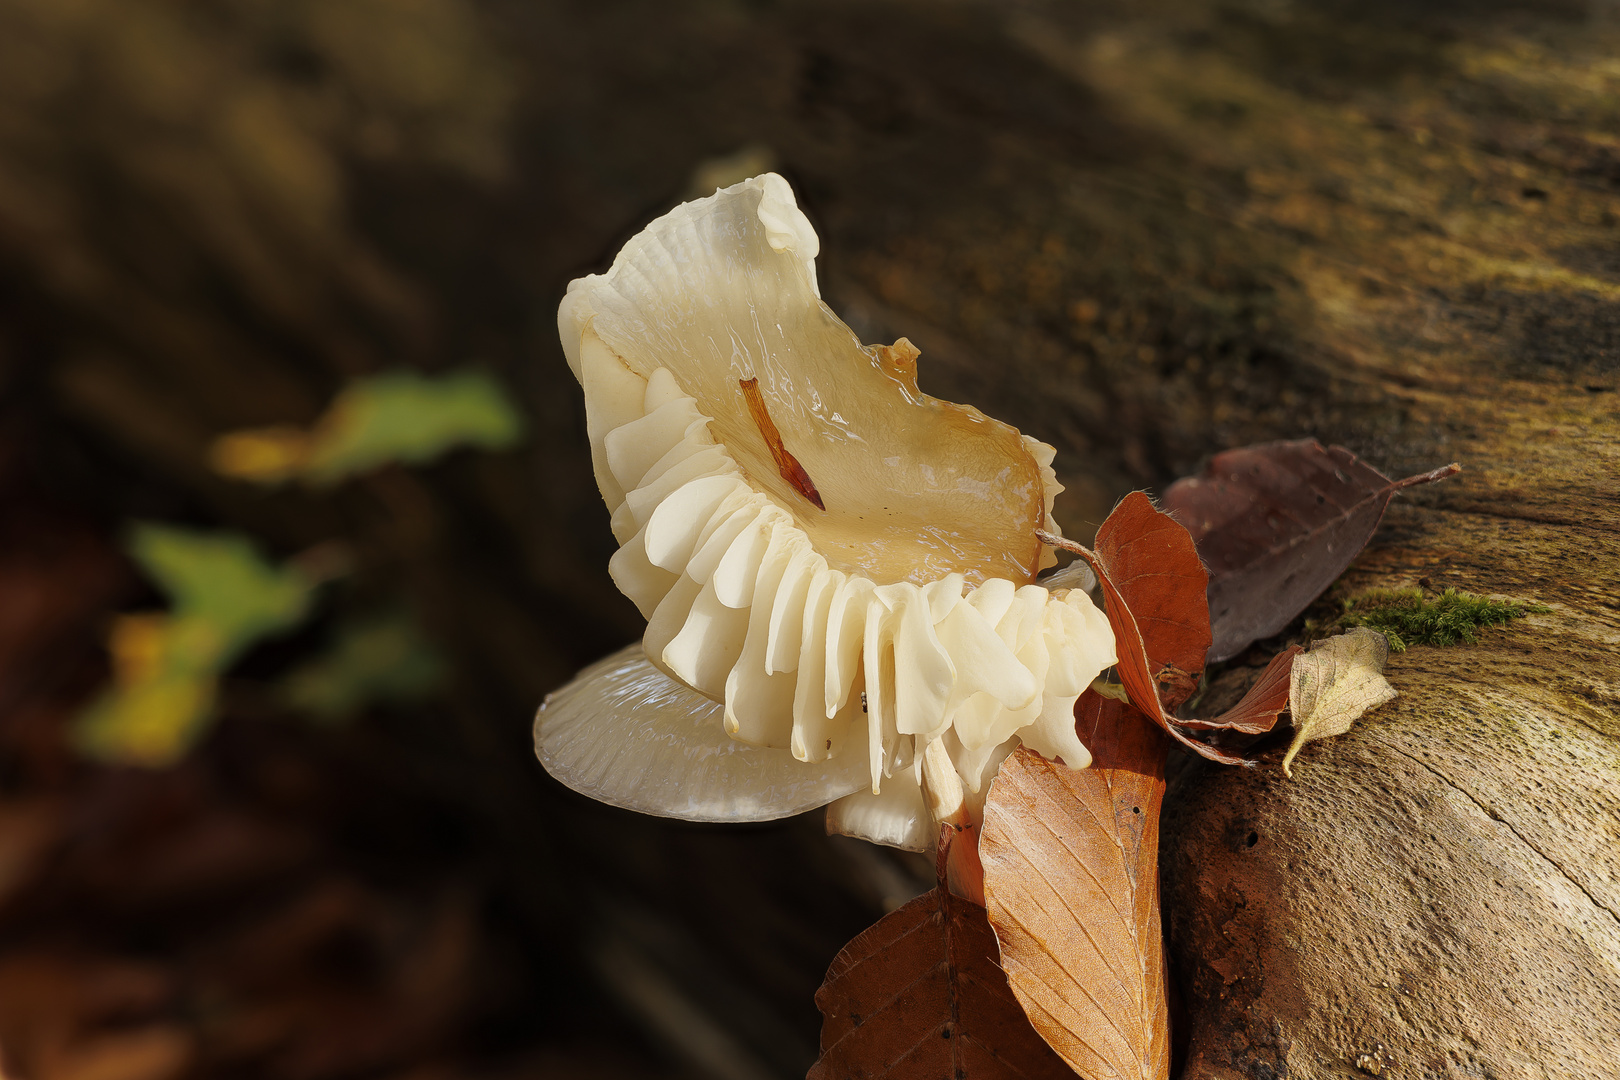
(1408,617)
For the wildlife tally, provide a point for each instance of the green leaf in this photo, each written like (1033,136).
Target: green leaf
(397,417)
(406,417)
(222,580)
(224,597)
(384,658)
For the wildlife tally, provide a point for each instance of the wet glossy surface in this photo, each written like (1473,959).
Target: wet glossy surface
(624,733)
(914,487)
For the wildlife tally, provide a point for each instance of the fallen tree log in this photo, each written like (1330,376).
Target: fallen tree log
(1438,893)
(1145,236)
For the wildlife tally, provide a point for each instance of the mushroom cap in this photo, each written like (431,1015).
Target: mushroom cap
(840,564)
(722,290)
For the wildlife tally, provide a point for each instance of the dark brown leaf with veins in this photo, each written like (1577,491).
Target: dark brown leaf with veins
(1072,886)
(1276,524)
(919,996)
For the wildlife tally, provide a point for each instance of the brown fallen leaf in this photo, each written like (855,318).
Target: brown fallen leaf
(1257,712)
(919,996)
(1335,684)
(956,858)
(1153,565)
(1173,633)
(1276,524)
(1072,888)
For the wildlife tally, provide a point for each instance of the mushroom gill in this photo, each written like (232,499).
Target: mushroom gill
(843,563)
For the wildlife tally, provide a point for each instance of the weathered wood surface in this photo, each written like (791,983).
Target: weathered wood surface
(1142,231)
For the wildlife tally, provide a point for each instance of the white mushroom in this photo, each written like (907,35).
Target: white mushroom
(835,568)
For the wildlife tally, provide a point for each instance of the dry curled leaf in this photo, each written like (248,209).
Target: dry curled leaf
(1072,888)
(1276,524)
(1145,559)
(1153,564)
(1335,684)
(919,996)
(1257,712)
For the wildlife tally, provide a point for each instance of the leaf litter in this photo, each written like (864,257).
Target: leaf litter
(1145,558)
(1072,888)
(1277,524)
(1257,711)
(1069,857)
(920,996)
(1334,684)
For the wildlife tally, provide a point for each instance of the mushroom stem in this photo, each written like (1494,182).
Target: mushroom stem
(957,861)
(942,786)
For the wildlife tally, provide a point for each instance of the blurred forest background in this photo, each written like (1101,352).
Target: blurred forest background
(297,524)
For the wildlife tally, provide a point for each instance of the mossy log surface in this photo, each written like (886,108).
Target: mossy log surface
(1142,231)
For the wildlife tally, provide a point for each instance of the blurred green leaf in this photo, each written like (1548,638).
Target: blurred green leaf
(406,417)
(383,658)
(222,580)
(224,597)
(402,416)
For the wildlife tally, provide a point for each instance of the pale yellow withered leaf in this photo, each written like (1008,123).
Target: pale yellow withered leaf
(1334,684)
